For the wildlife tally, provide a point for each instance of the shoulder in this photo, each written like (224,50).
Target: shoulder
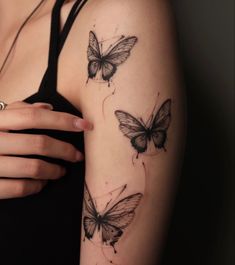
(111,19)
(146,19)
(125,5)
(137,13)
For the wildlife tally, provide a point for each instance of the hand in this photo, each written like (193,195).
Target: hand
(25,176)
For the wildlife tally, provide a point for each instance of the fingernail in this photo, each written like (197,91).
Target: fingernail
(45,105)
(79,156)
(48,106)
(82,124)
(88,126)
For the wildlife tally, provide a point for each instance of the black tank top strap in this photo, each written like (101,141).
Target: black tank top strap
(78,5)
(57,40)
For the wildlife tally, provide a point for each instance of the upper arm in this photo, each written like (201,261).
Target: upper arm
(140,84)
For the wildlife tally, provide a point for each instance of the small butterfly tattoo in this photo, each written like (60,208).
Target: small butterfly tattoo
(140,133)
(108,61)
(111,223)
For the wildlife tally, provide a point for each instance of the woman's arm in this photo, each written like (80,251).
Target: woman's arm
(134,98)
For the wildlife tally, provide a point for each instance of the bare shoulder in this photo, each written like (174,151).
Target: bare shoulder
(148,21)
(127,5)
(135,11)
(124,13)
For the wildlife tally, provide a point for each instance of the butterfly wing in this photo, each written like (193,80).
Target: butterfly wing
(140,142)
(110,234)
(93,68)
(89,224)
(108,70)
(116,56)
(93,51)
(129,125)
(121,51)
(93,55)
(90,214)
(161,123)
(90,208)
(133,129)
(123,212)
(118,218)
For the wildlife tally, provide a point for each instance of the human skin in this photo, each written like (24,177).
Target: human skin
(114,173)
(128,227)
(28,176)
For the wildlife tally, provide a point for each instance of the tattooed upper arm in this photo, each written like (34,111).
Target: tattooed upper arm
(108,61)
(132,92)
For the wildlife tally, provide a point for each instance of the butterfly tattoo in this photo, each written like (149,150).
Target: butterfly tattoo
(107,62)
(112,222)
(140,133)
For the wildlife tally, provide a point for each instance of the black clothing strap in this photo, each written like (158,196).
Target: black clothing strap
(50,220)
(57,40)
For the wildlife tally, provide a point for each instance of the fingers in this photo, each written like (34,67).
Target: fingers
(17,167)
(25,176)
(21,104)
(27,144)
(38,118)
(12,188)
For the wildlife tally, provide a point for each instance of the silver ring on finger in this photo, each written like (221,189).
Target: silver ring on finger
(3,105)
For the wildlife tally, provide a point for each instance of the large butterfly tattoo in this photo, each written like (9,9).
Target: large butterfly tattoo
(107,62)
(140,133)
(112,222)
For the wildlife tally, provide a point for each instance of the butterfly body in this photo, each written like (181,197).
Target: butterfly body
(100,220)
(107,62)
(148,132)
(140,134)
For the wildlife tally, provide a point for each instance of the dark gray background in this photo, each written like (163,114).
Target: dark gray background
(202,226)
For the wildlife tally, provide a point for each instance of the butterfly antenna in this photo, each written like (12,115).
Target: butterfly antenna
(118,37)
(115,43)
(150,120)
(141,120)
(121,191)
(124,188)
(95,202)
(107,204)
(118,195)
(101,47)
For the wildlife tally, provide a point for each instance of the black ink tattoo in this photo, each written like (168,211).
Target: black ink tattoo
(140,133)
(107,62)
(114,219)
